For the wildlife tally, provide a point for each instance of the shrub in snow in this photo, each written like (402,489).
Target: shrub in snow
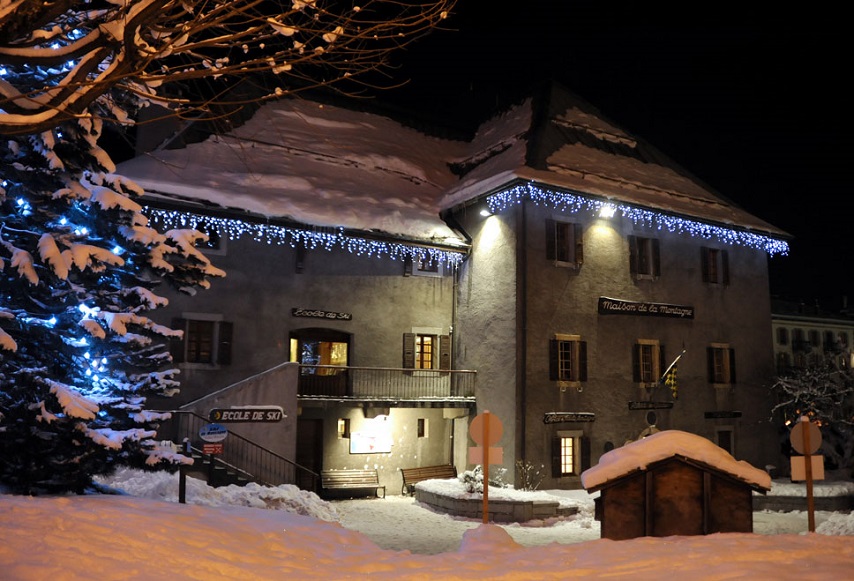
(528,475)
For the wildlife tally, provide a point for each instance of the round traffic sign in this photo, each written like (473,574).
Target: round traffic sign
(496,429)
(796,437)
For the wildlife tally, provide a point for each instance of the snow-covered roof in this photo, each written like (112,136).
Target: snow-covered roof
(314,164)
(323,165)
(640,454)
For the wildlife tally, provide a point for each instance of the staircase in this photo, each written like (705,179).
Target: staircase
(241,462)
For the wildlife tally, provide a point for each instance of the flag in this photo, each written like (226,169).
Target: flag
(669,376)
(670,381)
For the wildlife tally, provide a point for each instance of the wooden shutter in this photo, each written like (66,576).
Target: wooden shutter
(704,260)
(724,267)
(662,362)
(579,244)
(556,457)
(409,350)
(633,255)
(177,346)
(551,240)
(656,257)
(444,351)
(732,365)
(710,361)
(582,361)
(636,362)
(585,453)
(554,368)
(223,352)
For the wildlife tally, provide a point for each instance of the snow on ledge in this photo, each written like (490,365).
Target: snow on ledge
(666,444)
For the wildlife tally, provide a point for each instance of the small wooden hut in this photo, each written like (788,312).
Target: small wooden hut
(673,483)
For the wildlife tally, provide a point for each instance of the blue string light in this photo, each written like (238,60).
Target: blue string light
(574,203)
(323,238)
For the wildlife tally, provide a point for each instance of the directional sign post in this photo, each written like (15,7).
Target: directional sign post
(805,438)
(486,429)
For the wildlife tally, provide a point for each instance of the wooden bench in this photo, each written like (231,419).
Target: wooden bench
(351,480)
(411,476)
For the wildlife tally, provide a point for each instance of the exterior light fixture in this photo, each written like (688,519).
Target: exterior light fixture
(485,212)
(607,211)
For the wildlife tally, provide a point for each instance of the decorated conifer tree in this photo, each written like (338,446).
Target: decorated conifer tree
(78,270)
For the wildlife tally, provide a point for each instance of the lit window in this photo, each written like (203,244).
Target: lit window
(343,428)
(424,349)
(422,428)
(721,360)
(564,243)
(570,453)
(568,358)
(644,257)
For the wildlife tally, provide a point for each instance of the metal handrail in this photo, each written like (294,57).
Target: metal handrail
(254,461)
(386,382)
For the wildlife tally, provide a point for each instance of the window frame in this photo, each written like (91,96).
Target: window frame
(655,362)
(715,265)
(721,364)
(581,456)
(221,340)
(644,258)
(564,243)
(575,350)
(441,352)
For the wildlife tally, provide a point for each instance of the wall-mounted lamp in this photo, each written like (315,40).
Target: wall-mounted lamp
(485,212)
(607,211)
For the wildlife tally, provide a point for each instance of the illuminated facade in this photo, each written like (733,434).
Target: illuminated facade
(570,265)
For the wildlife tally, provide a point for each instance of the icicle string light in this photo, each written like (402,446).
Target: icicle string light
(323,238)
(574,203)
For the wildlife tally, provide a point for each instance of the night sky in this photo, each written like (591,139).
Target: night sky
(754,104)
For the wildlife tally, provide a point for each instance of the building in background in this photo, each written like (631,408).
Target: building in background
(550,269)
(809,336)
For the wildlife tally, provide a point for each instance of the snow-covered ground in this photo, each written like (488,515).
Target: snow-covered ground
(261,533)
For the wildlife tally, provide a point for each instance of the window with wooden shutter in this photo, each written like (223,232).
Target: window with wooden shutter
(721,364)
(647,362)
(206,341)
(570,453)
(715,265)
(567,359)
(644,257)
(564,243)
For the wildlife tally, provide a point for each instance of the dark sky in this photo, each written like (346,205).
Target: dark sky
(754,103)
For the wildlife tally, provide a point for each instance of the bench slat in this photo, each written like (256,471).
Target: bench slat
(411,476)
(351,479)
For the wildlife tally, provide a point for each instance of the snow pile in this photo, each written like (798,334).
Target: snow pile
(164,486)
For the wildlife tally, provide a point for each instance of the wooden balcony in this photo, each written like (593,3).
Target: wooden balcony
(388,386)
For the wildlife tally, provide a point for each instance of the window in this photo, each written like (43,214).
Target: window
(829,341)
(422,428)
(782,336)
(343,428)
(570,453)
(207,340)
(426,349)
(721,361)
(644,257)
(568,358)
(215,244)
(564,243)
(424,265)
(320,351)
(715,265)
(815,338)
(725,439)
(647,362)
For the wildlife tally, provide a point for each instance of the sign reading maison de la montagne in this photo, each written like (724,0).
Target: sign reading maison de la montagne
(608,306)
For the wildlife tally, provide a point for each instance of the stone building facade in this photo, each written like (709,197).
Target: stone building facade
(549,269)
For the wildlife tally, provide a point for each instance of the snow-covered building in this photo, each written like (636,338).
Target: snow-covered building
(809,336)
(550,270)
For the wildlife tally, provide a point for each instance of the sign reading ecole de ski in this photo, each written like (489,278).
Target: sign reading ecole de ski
(609,306)
(319,314)
(248,414)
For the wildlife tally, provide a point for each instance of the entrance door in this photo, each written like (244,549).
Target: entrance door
(309,451)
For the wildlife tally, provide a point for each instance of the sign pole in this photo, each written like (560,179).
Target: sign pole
(486,467)
(808,471)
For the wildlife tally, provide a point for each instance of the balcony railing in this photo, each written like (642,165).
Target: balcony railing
(333,381)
